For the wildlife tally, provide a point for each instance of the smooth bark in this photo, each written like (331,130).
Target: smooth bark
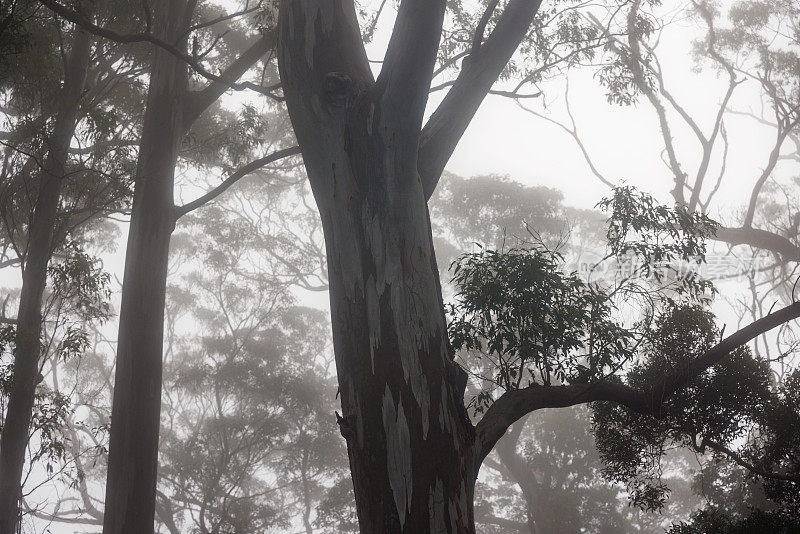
(171,111)
(135,417)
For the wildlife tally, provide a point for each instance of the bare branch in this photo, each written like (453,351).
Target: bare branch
(146,37)
(573,132)
(762,239)
(197,102)
(180,211)
(772,161)
(478,73)
(223,18)
(477,39)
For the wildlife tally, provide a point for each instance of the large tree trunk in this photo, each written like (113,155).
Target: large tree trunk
(135,417)
(14,441)
(409,439)
(408,436)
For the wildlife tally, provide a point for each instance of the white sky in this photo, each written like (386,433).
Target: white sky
(625,142)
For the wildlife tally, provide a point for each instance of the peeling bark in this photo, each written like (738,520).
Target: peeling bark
(408,437)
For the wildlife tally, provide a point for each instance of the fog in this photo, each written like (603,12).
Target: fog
(322,290)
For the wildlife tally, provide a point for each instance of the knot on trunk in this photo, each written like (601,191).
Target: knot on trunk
(345,426)
(338,88)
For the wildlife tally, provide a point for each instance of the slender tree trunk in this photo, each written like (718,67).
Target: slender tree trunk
(27,351)
(409,439)
(135,417)
(507,451)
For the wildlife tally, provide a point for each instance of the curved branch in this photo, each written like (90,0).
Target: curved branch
(761,239)
(516,403)
(722,449)
(772,161)
(146,37)
(573,132)
(240,173)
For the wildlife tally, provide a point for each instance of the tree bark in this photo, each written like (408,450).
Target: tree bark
(135,417)
(27,351)
(171,111)
(409,439)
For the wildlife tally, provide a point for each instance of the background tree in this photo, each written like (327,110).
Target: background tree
(64,166)
(372,165)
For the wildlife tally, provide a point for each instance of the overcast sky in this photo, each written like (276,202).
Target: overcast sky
(625,142)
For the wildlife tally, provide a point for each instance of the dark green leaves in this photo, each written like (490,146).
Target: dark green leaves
(663,242)
(536,324)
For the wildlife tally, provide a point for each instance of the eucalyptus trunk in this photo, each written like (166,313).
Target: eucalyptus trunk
(27,349)
(135,417)
(409,440)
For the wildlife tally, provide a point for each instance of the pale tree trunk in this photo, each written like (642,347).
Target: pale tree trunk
(171,111)
(135,417)
(27,351)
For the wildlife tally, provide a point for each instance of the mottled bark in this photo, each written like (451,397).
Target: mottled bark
(408,437)
(27,351)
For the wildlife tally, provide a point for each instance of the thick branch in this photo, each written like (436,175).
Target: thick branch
(410,58)
(514,404)
(478,73)
(9,262)
(240,173)
(197,102)
(680,378)
(760,239)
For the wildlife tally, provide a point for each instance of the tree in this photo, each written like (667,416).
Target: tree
(172,109)
(414,453)
(52,192)
(372,165)
(248,439)
(746,43)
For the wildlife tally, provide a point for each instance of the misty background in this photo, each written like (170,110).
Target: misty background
(249,438)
